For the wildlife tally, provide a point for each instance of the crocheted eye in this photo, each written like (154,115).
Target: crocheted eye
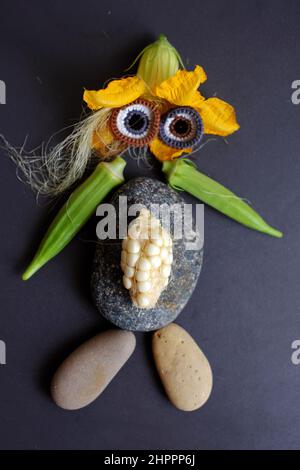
(181,128)
(135,124)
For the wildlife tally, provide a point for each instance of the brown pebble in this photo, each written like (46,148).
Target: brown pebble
(84,375)
(183,368)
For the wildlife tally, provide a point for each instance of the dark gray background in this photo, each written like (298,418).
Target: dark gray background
(246,309)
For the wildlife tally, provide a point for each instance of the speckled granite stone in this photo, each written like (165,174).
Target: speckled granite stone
(112,299)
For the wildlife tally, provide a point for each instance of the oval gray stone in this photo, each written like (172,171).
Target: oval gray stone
(109,294)
(84,375)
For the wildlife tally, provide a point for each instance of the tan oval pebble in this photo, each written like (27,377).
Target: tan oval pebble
(183,368)
(84,375)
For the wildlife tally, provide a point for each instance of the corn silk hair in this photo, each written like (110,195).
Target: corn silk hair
(51,171)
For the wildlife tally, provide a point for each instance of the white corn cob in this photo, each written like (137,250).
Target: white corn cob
(146,259)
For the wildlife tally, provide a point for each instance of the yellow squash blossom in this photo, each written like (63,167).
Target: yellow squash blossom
(218,117)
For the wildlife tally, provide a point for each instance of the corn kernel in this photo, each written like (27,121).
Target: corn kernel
(155,261)
(142,276)
(164,253)
(127,282)
(128,271)
(152,250)
(166,270)
(143,301)
(144,286)
(132,259)
(133,246)
(144,264)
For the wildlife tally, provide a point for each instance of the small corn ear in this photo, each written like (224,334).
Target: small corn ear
(146,260)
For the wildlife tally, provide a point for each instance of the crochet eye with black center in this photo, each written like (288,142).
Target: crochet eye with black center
(181,128)
(135,124)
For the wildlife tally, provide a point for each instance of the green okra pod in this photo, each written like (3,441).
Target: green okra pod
(183,175)
(76,211)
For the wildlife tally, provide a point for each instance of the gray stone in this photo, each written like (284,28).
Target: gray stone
(112,299)
(84,375)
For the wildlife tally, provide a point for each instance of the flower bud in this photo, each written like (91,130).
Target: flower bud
(158,62)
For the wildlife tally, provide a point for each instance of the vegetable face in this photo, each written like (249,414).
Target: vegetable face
(76,211)
(183,175)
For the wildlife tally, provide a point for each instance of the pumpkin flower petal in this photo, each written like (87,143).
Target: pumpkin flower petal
(117,93)
(196,99)
(102,138)
(163,152)
(105,144)
(218,117)
(180,89)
